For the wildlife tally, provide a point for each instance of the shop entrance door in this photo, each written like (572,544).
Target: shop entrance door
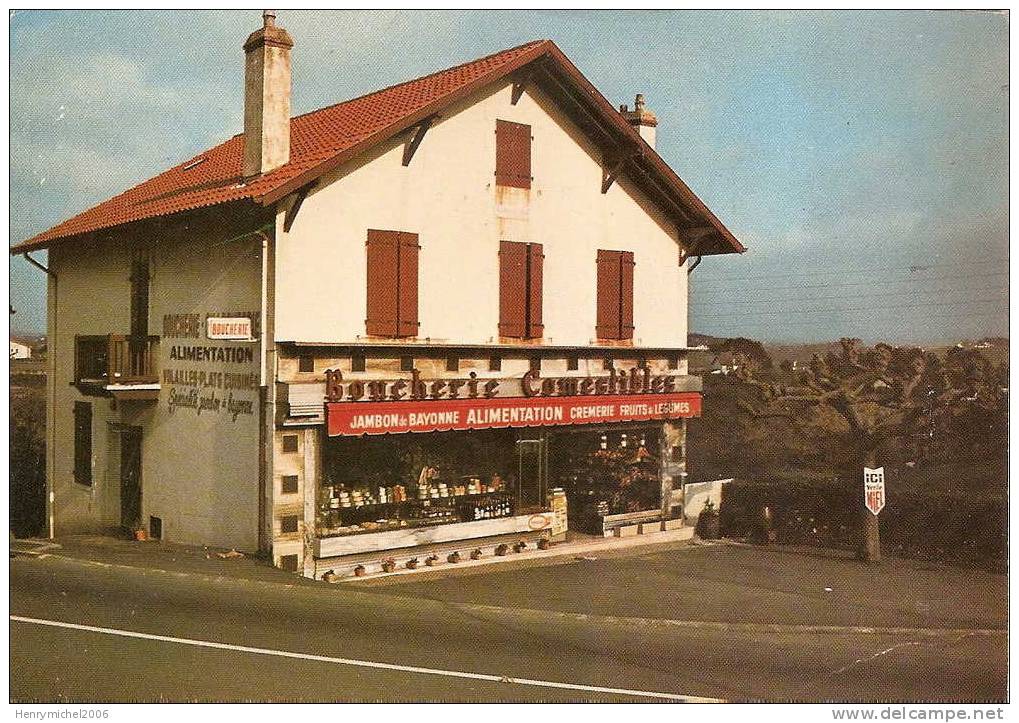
(130,477)
(532,471)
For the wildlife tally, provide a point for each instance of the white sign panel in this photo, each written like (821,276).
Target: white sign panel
(234,327)
(874,489)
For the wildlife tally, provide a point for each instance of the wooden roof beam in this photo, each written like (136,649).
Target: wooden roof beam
(684,214)
(690,238)
(419,135)
(295,207)
(520,85)
(612,166)
(619,146)
(613,141)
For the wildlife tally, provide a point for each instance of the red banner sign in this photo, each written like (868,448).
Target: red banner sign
(459,414)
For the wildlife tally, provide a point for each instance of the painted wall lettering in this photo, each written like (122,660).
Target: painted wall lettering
(210,380)
(532,384)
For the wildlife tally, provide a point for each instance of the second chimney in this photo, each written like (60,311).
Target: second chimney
(266,98)
(642,119)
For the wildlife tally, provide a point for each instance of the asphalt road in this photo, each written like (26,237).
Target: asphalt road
(582,626)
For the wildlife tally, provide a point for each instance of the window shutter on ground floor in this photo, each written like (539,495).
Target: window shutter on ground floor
(392,303)
(520,289)
(535,264)
(614,315)
(512,288)
(626,264)
(407,311)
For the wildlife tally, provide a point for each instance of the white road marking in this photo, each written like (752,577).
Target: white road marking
(875,656)
(364,663)
(31,547)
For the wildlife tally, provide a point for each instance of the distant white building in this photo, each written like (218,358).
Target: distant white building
(20,350)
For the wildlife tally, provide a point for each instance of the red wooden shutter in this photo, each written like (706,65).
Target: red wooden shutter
(626,264)
(512,289)
(520,289)
(383,278)
(407,310)
(535,262)
(608,313)
(512,154)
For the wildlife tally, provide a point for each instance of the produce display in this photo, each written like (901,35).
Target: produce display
(610,475)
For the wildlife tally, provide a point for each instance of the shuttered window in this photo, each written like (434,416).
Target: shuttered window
(520,290)
(83,443)
(512,154)
(140,298)
(392,283)
(615,295)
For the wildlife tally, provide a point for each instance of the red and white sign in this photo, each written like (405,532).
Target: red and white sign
(236,328)
(459,414)
(874,489)
(539,522)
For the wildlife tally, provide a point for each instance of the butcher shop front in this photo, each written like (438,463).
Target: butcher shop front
(428,471)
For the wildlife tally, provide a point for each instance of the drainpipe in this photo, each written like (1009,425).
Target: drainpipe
(267,396)
(264,303)
(51,363)
(694,265)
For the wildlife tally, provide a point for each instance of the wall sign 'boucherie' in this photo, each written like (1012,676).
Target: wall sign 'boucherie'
(415,405)
(638,380)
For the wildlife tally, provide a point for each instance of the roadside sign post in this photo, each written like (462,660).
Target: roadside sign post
(874,489)
(873,502)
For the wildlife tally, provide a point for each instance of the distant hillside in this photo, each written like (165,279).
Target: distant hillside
(994,348)
(703,340)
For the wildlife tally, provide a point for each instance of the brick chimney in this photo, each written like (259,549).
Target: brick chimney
(266,97)
(642,119)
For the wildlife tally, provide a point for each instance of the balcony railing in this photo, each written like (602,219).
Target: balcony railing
(115,359)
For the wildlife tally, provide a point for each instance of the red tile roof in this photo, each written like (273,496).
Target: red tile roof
(319,141)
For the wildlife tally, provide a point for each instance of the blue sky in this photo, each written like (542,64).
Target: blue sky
(861,156)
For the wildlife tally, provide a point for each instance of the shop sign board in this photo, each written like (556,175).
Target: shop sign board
(234,328)
(359,418)
(636,381)
(874,489)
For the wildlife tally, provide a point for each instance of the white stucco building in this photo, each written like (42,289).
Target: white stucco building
(410,324)
(20,349)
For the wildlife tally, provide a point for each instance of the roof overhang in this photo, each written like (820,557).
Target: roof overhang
(698,230)
(102,233)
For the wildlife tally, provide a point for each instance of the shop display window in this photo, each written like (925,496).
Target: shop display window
(381,483)
(608,471)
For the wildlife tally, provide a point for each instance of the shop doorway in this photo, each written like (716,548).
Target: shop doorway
(532,470)
(130,477)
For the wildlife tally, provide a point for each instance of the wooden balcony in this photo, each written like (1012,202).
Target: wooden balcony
(125,366)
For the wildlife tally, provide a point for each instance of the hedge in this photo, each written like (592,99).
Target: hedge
(941,526)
